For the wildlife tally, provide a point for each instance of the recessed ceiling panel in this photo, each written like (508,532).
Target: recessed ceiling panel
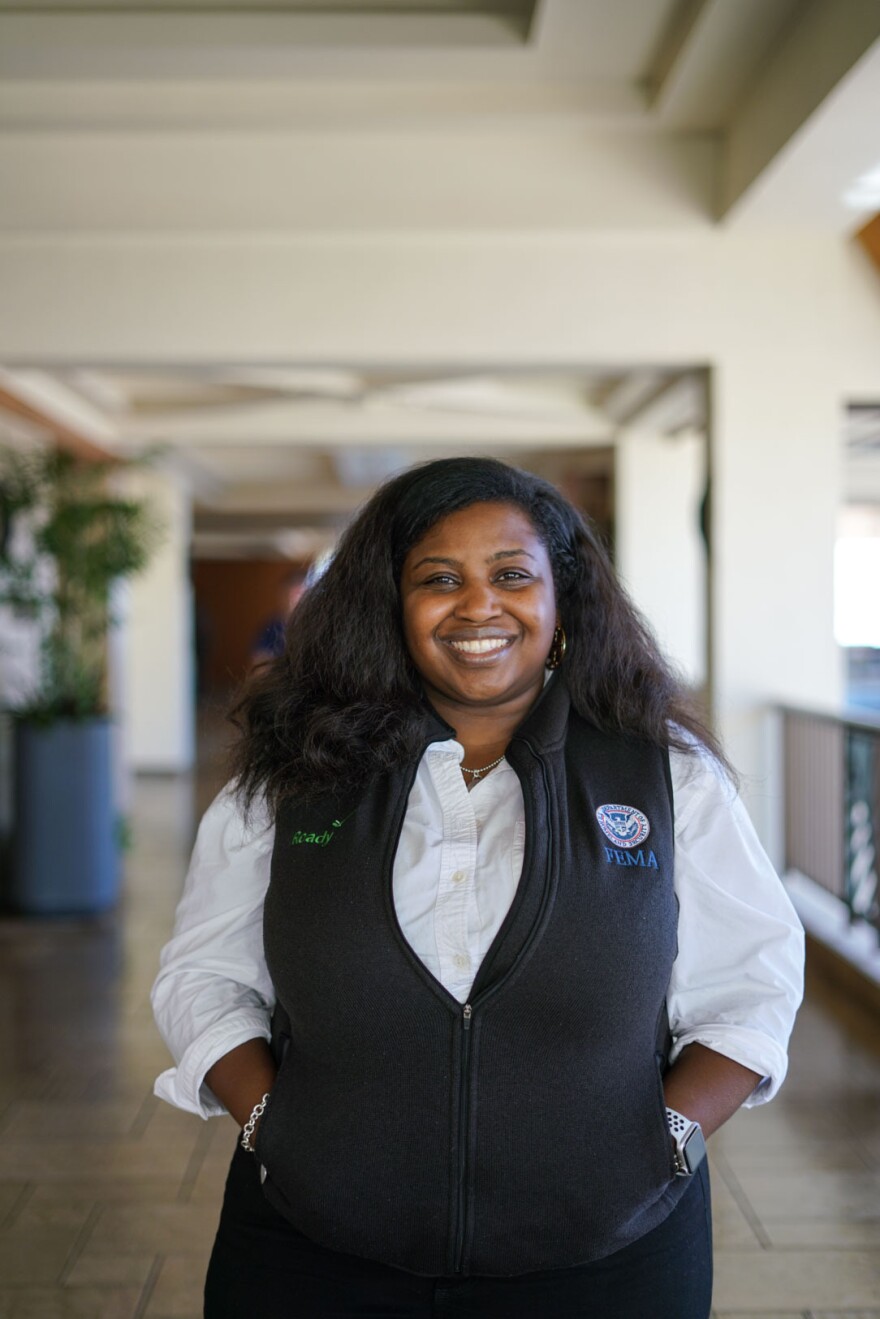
(515,14)
(513,9)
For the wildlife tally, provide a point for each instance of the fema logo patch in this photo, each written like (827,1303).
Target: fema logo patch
(624,825)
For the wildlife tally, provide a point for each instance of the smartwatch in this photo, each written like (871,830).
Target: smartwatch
(688,1142)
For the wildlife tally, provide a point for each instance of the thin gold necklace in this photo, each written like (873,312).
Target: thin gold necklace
(485,770)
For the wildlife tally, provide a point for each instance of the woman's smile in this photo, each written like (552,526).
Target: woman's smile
(479,607)
(479,649)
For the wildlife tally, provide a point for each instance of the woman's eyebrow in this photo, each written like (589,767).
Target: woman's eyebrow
(456,563)
(436,558)
(509,554)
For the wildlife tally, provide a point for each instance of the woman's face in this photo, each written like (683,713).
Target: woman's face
(479,608)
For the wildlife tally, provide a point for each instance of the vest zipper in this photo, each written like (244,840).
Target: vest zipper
(463,1135)
(466,1017)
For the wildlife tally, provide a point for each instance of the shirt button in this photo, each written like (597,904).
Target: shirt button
(459,877)
(461,961)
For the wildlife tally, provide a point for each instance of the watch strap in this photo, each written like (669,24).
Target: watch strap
(688,1141)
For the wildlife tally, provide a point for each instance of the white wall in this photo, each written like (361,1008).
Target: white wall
(19,657)
(157,691)
(789,324)
(659,485)
(20,636)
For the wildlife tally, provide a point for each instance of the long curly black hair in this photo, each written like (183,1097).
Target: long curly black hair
(344,702)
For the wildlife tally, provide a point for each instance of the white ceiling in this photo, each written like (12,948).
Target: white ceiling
(286,117)
(131,118)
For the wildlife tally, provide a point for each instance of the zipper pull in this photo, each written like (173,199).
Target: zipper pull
(467,1013)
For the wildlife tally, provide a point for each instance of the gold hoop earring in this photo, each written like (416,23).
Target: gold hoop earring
(557,649)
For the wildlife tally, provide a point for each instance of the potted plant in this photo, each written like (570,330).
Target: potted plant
(66,536)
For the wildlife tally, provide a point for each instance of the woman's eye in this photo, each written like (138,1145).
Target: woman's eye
(440,579)
(507,575)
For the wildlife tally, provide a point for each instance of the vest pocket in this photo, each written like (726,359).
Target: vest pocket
(260,1138)
(660,1065)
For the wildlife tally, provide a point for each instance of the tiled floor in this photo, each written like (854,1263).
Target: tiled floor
(108,1199)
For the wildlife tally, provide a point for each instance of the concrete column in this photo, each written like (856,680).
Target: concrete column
(661,557)
(776,486)
(158,700)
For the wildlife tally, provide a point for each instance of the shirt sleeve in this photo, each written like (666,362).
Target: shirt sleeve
(738,979)
(213,990)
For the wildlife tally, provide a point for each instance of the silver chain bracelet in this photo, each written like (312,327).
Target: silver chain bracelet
(250,1126)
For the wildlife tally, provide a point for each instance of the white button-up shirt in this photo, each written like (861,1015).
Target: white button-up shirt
(736,983)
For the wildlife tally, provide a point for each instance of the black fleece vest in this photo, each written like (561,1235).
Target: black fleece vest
(525,1130)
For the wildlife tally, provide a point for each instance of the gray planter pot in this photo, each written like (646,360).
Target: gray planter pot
(65,854)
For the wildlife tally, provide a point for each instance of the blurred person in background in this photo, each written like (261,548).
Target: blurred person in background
(479,944)
(268,644)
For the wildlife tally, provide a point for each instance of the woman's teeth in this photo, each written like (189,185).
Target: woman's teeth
(480,647)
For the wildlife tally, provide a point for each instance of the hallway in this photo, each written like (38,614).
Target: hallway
(108,1198)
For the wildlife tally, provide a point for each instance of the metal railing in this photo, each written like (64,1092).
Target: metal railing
(832,806)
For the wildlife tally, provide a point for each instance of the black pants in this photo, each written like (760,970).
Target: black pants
(261,1268)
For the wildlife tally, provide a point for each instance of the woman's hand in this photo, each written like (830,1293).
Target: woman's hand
(707,1087)
(241,1077)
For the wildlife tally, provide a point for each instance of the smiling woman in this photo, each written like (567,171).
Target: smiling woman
(478,943)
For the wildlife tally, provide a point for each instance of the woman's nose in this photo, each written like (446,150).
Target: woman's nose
(477,601)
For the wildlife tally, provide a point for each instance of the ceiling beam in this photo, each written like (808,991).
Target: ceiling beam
(288,498)
(332,102)
(709,56)
(674,40)
(632,393)
(332,423)
(249,43)
(824,42)
(680,404)
(64,435)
